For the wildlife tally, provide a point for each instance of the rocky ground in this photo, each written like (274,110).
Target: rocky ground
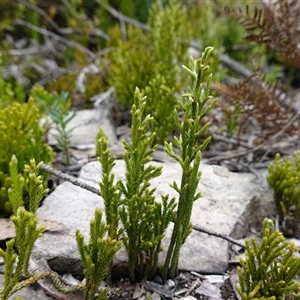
(233,204)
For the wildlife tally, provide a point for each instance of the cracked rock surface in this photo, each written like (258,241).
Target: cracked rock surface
(231,204)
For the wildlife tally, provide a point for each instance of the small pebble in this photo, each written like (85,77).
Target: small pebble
(68,278)
(158,279)
(170,284)
(155,296)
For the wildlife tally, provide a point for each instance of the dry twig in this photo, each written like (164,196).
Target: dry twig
(267,145)
(63,31)
(122,17)
(51,34)
(217,234)
(235,66)
(71,179)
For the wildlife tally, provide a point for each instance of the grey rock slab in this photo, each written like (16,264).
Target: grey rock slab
(187,298)
(74,207)
(209,291)
(230,200)
(226,198)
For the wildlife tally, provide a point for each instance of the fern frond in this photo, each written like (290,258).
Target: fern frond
(260,104)
(276,25)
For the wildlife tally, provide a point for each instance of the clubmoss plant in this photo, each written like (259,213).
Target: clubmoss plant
(96,256)
(34,185)
(109,191)
(30,182)
(284,178)
(195,105)
(18,250)
(269,270)
(144,220)
(161,102)
(15,192)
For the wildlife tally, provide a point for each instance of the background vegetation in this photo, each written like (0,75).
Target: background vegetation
(56,56)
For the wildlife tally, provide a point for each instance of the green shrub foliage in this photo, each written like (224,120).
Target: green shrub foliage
(269,270)
(284,178)
(22,136)
(152,61)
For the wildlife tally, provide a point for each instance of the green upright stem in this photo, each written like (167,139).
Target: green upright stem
(144,219)
(195,108)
